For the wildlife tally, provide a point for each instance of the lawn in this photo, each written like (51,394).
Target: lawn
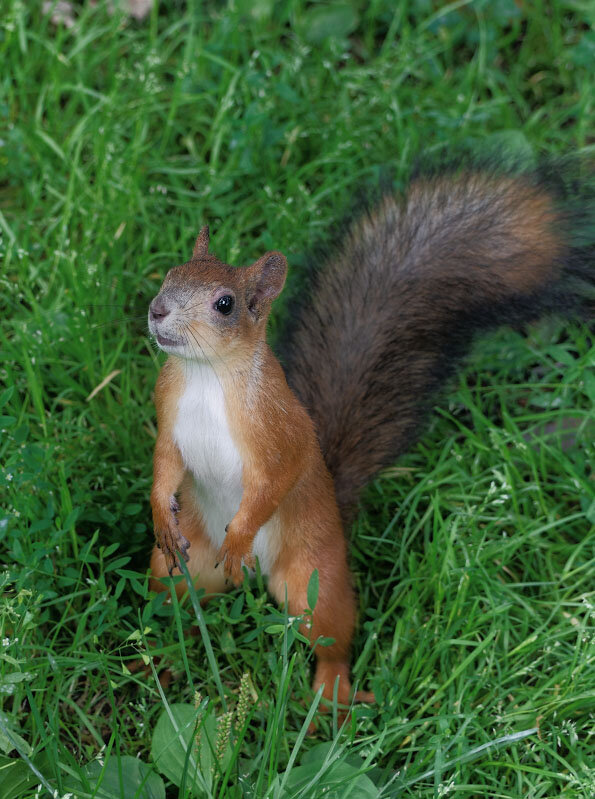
(474,555)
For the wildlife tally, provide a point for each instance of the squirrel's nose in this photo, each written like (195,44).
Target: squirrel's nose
(158,310)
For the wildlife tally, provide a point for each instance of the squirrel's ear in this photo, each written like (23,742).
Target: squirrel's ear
(201,245)
(267,280)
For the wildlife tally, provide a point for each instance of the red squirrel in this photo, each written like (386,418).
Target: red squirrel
(247,467)
(240,450)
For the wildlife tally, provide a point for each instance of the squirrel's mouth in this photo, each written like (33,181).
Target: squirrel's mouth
(167,342)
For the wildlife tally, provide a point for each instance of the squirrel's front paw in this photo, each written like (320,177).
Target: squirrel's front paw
(235,553)
(170,540)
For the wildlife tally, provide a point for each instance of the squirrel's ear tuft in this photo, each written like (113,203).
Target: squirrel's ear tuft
(268,278)
(201,245)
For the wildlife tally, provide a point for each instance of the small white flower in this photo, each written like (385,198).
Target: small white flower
(445,788)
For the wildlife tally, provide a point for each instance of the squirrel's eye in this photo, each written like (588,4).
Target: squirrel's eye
(224,304)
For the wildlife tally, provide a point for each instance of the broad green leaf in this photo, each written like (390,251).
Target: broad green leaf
(124,777)
(339,781)
(175,751)
(16,777)
(237,607)
(9,739)
(6,395)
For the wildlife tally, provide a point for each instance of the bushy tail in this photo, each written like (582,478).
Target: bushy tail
(390,316)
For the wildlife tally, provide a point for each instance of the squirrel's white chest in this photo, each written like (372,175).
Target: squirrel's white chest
(201,433)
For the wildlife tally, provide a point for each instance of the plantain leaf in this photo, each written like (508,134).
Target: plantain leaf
(125,776)
(16,777)
(175,751)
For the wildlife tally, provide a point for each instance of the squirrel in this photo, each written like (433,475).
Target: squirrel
(252,461)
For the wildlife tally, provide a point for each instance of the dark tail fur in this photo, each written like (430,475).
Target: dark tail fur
(390,316)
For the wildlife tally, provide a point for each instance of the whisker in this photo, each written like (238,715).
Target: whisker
(202,338)
(187,308)
(183,308)
(122,320)
(192,333)
(195,348)
(208,344)
(217,356)
(224,364)
(105,305)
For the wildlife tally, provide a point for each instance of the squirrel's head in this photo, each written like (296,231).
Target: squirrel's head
(207,310)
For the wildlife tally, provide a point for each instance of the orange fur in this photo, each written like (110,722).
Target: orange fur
(168,468)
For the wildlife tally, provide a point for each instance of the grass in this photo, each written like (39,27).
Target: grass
(474,555)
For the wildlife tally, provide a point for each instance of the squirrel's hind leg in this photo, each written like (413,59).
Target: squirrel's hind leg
(333,616)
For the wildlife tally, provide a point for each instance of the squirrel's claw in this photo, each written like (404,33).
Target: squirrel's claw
(173,541)
(233,559)
(170,542)
(173,562)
